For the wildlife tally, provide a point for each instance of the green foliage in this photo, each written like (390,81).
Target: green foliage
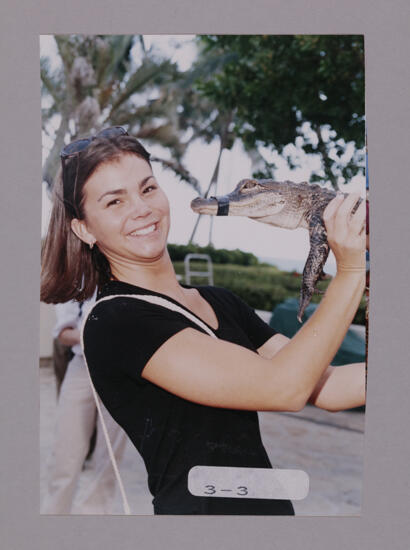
(178,252)
(284,89)
(260,286)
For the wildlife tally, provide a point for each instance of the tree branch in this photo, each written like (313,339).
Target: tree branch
(180,171)
(214,179)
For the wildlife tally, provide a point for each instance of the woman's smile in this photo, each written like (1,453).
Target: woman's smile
(126,212)
(144,231)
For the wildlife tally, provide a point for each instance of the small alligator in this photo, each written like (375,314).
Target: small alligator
(283,204)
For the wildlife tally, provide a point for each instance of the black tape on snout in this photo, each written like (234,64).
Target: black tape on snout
(223,205)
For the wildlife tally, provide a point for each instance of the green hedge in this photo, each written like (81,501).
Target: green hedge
(260,286)
(178,252)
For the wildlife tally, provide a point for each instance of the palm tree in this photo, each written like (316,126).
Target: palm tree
(97,85)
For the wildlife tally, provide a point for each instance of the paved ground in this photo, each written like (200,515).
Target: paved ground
(328,446)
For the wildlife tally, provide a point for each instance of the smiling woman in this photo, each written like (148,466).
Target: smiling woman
(184,369)
(71,267)
(129,223)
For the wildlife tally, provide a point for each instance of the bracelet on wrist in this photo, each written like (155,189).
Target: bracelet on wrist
(352,269)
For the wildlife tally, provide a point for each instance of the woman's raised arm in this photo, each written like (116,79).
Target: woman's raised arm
(218,373)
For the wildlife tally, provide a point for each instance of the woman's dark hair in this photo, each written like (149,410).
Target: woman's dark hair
(70,269)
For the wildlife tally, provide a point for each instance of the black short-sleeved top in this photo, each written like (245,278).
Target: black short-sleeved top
(171,433)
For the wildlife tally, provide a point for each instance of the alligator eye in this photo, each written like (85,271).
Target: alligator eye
(250,185)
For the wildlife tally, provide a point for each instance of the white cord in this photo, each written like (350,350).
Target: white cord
(153,300)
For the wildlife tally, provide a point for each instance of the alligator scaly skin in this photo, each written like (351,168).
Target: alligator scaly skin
(313,270)
(319,247)
(302,206)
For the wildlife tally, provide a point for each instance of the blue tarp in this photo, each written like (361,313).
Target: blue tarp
(284,320)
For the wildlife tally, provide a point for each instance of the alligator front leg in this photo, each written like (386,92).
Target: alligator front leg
(318,253)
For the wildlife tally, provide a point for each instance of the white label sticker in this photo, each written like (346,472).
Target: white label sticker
(224,481)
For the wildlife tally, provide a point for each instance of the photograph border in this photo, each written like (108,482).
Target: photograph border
(385,497)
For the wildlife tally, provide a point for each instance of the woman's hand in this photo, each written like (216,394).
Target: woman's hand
(69,336)
(346,231)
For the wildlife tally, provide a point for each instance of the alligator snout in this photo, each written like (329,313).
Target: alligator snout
(205,206)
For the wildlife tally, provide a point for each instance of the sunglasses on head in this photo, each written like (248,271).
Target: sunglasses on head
(73,149)
(80,144)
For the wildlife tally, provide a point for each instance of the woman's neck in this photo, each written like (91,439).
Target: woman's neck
(158,276)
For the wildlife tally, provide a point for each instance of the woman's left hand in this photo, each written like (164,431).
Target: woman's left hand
(346,231)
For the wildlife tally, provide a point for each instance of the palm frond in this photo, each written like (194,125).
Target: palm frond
(149,73)
(113,59)
(207,68)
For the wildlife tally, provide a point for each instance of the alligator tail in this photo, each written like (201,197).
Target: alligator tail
(318,253)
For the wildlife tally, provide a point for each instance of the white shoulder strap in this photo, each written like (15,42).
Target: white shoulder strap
(153,300)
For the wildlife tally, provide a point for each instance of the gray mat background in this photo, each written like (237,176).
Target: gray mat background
(384,521)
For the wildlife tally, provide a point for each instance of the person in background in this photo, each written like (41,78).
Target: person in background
(62,355)
(75,423)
